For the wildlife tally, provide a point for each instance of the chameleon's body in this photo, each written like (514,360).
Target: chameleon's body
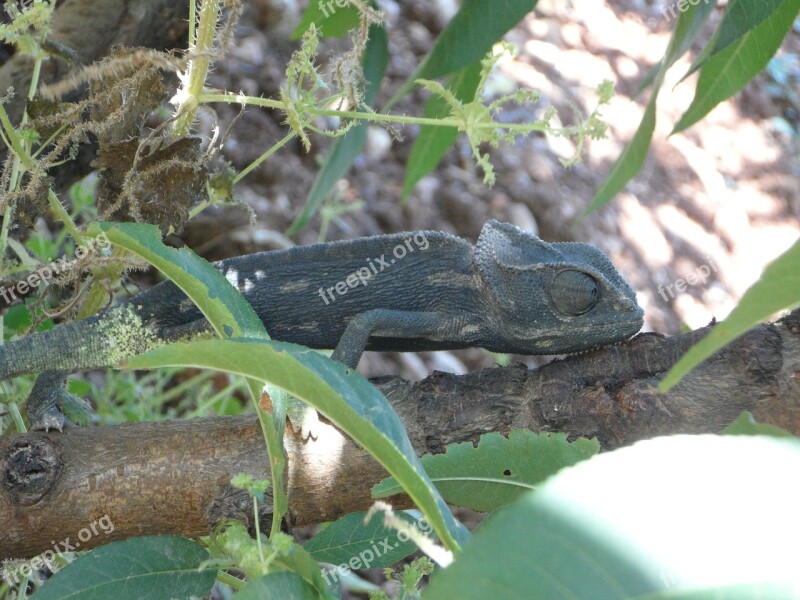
(415,291)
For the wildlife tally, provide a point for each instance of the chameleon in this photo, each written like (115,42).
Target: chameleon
(415,291)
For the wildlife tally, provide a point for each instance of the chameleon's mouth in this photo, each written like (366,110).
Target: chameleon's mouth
(591,336)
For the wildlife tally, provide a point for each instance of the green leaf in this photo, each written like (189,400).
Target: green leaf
(726,72)
(690,23)
(284,585)
(349,543)
(499,470)
(300,562)
(16,319)
(150,568)
(777,289)
(469,35)
(741,17)
(688,27)
(340,394)
(346,149)
(631,160)
(662,517)
(334,19)
(433,142)
(226,310)
(229,313)
(745,424)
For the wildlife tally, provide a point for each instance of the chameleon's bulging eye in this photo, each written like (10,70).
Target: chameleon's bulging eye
(573,292)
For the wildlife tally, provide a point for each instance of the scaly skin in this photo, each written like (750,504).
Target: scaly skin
(416,291)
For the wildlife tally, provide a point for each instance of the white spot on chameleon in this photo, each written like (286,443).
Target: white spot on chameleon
(300,285)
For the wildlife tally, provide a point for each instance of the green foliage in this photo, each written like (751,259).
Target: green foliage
(158,567)
(29,25)
(687,28)
(341,395)
(331,20)
(433,142)
(614,525)
(499,469)
(283,585)
(346,149)
(745,424)
(744,55)
(257,558)
(749,35)
(665,518)
(408,579)
(371,543)
(742,45)
(778,288)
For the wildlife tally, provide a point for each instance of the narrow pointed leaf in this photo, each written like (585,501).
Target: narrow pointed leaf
(777,289)
(690,23)
(741,17)
(343,396)
(630,161)
(728,71)
(469,35)
(433,142)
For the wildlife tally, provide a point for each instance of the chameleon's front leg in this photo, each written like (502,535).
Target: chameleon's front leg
(402,324)
(49,400)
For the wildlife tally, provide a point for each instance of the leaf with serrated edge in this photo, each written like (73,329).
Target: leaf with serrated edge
(499,470)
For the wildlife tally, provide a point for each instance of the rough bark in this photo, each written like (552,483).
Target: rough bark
(172,477)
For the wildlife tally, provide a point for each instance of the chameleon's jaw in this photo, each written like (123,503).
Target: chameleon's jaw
(583,336)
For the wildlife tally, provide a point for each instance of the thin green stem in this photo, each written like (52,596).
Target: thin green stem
(377,117)
(230,580)
(259,545)
(289,136)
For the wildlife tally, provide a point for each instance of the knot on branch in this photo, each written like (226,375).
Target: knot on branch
(29,468)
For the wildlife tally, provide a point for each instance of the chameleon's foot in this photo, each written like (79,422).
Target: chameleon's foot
(49,401)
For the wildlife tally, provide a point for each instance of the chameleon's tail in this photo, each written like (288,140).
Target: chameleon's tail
(103,340)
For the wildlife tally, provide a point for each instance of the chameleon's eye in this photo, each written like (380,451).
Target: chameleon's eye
(573,292)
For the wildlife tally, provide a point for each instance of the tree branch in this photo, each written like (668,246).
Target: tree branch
(172,476)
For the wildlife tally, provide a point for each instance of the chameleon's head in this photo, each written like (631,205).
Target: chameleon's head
(552,298)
